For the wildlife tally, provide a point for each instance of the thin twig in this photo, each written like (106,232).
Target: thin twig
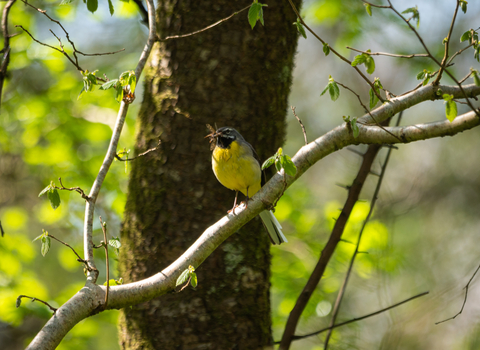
(139,155)
(1,229)
(335,52)
(464,299)
(36,299)
(368,111)
(206,28)
(341,293)
(77,189)
(88,267)
(389,54)
(301,124)
(447,42)
(298,337)
(107,263)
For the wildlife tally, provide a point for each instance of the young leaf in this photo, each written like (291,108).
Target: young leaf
(326,49)
(324,90)
(333,90)
(183,278)
(300,28)
(359,59)
(132,81)
(373,99)
(266,164)
(288,165)
(355,129)
(369,9)
(421,75)
(415,14)
(110,7)
(451,110)
(115,242)
(476,78)
(36,239)
(254,13)
(463,5)
(109,84)
(18,302)
(119,94)
(92,5)
(54,198)
(194,280)
(370,64)
(45,244)
(466,36)
(46,189)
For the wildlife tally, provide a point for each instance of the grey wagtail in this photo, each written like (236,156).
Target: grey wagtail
(235,164)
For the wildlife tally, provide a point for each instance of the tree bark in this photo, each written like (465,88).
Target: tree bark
(230,75)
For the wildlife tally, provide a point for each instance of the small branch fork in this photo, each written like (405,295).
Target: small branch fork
(464,300)
(79,259)
(139,155)
(77,189)
(36,299)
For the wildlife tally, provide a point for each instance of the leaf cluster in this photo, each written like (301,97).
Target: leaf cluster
(366,60)
(255,13)
(189,276)
(52,195)
(282,161)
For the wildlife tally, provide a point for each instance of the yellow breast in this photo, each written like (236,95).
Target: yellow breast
(237,169)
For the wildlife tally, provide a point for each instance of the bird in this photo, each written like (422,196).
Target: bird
(237,167)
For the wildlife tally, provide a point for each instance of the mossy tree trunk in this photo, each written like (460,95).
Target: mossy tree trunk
(232,76)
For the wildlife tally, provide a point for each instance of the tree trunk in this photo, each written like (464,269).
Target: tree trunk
(230,75)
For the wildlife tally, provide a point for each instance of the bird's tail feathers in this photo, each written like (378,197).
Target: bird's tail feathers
(273,227)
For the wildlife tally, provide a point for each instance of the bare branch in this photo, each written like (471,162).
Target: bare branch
(139,155)
(298,337)
(77,189)
(464,299)
(36,299)
(301,124)
(6,48)
(389,54)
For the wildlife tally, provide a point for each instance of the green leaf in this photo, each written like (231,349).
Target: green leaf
(260,16)
(114,282)
(92,5)
(373,99)
(66,2)
(447,97)
(426,80)
(421,75)
(355,129)
(415,14)
(288,165)
(266,164)
(46,189)
(253,13)
(110,7)
(451,110)
(370,64)
(463,5)
(132,81)
(325,90)
(183,278)
(119,94)
(326,49)
(36,239)
(368,8)
(359,59)
(300,28)
(54,198)
(333,90)
(466,36)
(45,244)
(194,280)
(115,243)
(109,84)
(278,165)
(18,302)
(476,78)
(82,92)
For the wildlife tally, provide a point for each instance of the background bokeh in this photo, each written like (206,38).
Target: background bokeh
(422,237)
